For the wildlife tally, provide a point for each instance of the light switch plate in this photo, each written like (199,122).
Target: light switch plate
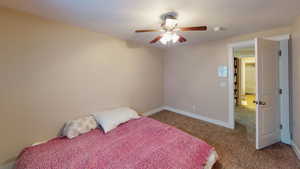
(222,71)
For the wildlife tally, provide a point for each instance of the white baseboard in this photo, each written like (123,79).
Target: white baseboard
(199,117)
(8,166)
(189,114)
(153,111)
(296,149)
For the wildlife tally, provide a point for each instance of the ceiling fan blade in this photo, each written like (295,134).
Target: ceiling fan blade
(147,30)
(181,39)
(156,39)
(196,28)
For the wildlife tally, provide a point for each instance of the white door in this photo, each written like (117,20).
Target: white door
(267,97)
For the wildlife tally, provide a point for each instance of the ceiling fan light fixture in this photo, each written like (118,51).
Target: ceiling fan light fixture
(166,37)
(163,41)
(169,37)
(175,38)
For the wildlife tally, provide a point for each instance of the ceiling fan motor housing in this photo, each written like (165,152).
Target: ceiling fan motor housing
(170,21)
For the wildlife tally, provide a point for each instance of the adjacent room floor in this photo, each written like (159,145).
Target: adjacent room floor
(245,116)
(233,147)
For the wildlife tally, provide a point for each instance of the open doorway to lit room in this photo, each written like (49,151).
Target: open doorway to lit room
(245,89)
(259,89)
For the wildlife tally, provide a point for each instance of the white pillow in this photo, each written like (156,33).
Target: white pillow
(74,128)
(110,119)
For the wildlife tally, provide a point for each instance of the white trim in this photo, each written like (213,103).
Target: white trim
(10,165)
(296,149)
(231,86)
(279,38)
(231,76)
(257,140)
(241,44)
(248,56)
(199,117)
(153,111)
(284,84)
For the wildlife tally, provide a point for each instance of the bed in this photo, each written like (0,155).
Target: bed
(142,143)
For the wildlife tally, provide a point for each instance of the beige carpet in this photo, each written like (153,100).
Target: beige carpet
(233,147)
(244,115)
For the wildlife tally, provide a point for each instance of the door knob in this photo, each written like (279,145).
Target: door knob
(259,102)
(262,103)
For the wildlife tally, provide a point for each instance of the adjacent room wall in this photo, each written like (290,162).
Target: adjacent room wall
(248,76)
(246,55)
(191,81)
(51,72)
(296,82)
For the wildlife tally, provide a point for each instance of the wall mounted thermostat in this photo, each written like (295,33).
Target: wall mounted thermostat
(222,71)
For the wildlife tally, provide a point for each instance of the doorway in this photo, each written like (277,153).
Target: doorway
(262,101)
(245,89)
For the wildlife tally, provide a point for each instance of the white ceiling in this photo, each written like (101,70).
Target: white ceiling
(121,17)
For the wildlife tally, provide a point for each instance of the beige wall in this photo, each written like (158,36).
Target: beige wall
(191,82)
(296,78)
(51,72)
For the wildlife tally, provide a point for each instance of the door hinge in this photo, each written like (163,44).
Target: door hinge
(280,91)
(280,126)
(279,53)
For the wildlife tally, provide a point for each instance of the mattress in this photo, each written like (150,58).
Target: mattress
(138,144)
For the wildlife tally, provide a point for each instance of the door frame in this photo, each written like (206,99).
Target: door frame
(284,105)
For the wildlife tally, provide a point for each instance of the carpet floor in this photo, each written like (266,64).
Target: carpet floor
(233,147)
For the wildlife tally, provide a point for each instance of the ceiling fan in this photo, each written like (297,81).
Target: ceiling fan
(169,27)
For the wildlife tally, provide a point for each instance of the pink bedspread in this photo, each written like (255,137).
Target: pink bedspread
(138,144)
